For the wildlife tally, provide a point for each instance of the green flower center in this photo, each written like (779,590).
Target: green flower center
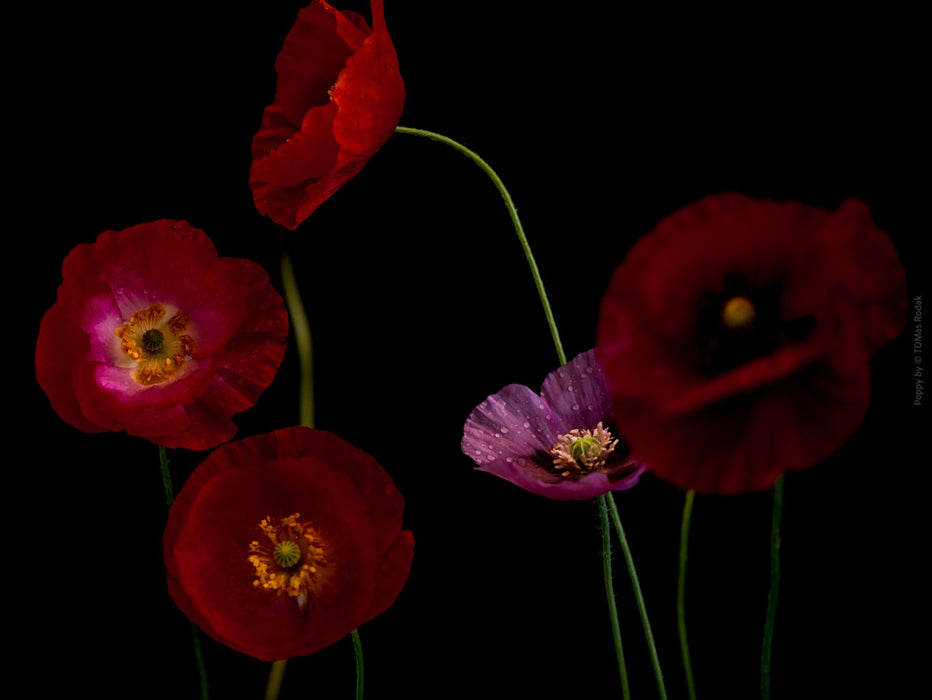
(287,554)
(586,450)
(582,451)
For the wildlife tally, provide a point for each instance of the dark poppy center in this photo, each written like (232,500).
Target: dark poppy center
(742,323)
(152,340)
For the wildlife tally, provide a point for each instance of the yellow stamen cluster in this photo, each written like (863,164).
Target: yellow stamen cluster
(739,315)
(160,346)
(582,451)
(291,559)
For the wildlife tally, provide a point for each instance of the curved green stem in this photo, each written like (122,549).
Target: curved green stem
(276,675)
(357,648)
(513,212)
(681,593)
(642,609)
(302,336)
(555,334)
(195,634)
(774,588)
(610,594)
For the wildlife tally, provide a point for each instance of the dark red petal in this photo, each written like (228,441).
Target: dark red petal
(57,358)
(744,442)
(870,268)
(309,147)
(313,54)
(738,429)
(370,94)
(394,567)
(343,492)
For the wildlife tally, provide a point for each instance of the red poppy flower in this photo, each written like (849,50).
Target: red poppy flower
(339,97)
(280,544)
(153,334)
(737,337)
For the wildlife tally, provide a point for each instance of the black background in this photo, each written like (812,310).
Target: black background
(601,121)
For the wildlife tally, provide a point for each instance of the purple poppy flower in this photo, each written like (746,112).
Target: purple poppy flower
(559,444)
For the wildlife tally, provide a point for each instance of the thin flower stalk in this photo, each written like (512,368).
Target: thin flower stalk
(195,635)
(548,312)
(642,609)
(681,593)
(302,334)
(774,588)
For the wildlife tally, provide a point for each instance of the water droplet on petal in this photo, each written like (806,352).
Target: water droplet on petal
(575,406)
(504,429)
(490,458)
(527,425)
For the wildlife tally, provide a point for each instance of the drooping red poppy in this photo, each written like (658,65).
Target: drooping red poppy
(737,337)
(339,97)
(281,544)
(154,334)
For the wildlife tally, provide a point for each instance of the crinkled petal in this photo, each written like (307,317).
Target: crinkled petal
(236,322)
(578,391)
(512,433)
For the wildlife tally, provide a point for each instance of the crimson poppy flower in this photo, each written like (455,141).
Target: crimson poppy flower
(281,544)
(338,99)
(153,334)
(561,444)
(737,337)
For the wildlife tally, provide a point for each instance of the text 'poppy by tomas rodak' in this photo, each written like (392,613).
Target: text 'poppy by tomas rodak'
(338,99)
(281,544)
(154,334)
(562,443)
(737,337)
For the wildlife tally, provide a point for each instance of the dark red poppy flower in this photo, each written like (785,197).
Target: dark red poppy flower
(281,544)
(339,97)
(153,334)
(737,337)
(560,443)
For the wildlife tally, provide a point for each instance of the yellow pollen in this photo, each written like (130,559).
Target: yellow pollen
(159,345)
(582,451)
(288,559)
(738,314)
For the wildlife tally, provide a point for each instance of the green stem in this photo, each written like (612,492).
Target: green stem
(681,593)
(513,212)
(302,336)
(195,634)
(642,609)
(357,647)
(555,334)
(276,675)
(166,476)
(199,660)
(610,594)
(774,588)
